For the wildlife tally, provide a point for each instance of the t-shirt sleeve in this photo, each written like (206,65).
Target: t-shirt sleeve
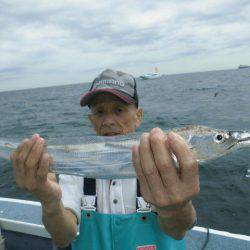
(72,192)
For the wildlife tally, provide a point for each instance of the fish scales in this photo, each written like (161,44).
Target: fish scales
(105,157)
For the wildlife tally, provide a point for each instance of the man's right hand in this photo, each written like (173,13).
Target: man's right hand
(31,168)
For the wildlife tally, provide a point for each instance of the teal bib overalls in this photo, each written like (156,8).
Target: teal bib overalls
(136,231)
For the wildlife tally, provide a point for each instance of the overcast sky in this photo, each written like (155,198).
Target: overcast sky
(57,42)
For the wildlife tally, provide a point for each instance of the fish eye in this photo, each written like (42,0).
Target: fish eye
(219,138)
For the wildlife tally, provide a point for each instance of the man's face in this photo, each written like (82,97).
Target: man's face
(111,116)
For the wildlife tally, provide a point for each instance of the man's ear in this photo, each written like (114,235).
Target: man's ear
(139,117)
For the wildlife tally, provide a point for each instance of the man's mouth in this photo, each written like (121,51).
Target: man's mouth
(111,134)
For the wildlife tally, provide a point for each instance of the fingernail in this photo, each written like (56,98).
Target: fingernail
(144,135)
(156,130)
(35,136)
(170,136)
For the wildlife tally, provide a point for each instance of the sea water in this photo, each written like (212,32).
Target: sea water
(219,99)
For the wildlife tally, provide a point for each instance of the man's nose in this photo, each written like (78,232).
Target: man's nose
(108,120)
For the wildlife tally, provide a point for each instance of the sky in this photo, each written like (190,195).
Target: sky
(47,43)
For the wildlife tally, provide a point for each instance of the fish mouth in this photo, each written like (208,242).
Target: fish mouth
(246,139)
(239,138)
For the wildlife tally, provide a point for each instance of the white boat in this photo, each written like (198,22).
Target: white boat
(21,226)
(243,66)
(152,75)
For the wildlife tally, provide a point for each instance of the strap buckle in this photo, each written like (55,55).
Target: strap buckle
(89,203)
(143,206)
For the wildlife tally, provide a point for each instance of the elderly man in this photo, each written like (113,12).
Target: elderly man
(153,211)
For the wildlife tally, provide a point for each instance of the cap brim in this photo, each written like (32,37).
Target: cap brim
(88,97)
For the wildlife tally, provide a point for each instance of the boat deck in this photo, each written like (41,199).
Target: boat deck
(21,225)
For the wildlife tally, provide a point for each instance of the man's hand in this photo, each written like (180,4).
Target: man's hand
(31,167)
(169,189)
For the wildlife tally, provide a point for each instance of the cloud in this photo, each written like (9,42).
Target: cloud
(59,42)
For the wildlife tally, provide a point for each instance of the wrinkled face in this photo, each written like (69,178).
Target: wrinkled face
(111,116)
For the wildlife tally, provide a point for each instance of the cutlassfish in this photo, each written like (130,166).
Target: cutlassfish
(103,157)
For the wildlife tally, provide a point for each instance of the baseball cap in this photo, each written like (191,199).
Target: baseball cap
(118,83)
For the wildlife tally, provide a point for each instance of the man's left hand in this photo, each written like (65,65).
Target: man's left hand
(168,188)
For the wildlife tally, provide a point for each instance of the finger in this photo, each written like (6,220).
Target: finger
(188,164)
(19,175)
(162,157)
(43,168)
(20,146)
(26,143)
(18,158)
(13,158)
(23,151)
(35,154)
(144,188)
(31,165)
(149,168)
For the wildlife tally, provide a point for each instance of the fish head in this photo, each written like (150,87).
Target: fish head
(215,143)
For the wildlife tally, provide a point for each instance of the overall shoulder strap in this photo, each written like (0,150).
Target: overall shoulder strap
(89,187)
(141,205)
(138,188)
(89,199)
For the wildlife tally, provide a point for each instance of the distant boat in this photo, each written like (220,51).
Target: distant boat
(243,66)
(152,75)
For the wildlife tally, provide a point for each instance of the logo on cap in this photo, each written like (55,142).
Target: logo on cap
(109,82)
(117,83)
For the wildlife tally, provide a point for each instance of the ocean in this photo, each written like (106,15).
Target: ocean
(219,99)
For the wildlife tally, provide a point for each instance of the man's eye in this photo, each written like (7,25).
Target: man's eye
(98,112)
(119,110)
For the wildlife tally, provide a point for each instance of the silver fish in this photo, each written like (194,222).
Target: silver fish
(105,157)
